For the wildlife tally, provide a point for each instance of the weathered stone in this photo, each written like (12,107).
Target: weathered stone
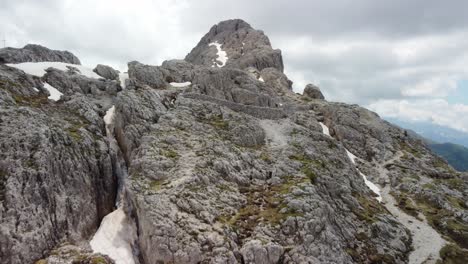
(153,76)
(313,92)
(245,47)
(36,53)
(106,72)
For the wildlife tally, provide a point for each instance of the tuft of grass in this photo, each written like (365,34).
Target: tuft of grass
(307,165)
(157,185)
(264,205)
(453,254)
(408,149)
(370,209)
(98,260)
(219,123)
(169,153)
(265,157)
(406,204)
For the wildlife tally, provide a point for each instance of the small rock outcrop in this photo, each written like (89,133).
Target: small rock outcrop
(106,72)
(244,46)
(313,92)
(153,76)
(36,53)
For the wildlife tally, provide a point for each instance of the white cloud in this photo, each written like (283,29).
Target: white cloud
(437,111)
(440,86)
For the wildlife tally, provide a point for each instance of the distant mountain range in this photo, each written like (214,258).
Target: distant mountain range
(454,148)
(434,132)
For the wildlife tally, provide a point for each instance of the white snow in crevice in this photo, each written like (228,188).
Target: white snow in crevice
(123,77)
(351,156)
(38,68)
(222,55)
(35,89)
(372,186)
(54,93)
(109,120)
(325,130)
(183,84)
(115,237)
(261,79)
(369,184)
(117,234)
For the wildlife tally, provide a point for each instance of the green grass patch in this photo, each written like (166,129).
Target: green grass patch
(169,153)
(263,205)
(219,123)
(453,254)
(370,209)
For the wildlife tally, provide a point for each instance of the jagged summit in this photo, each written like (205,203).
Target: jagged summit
(243,45)
(36,53)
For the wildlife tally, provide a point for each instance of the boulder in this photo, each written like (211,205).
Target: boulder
(153,76)
(106,72)
(313,92)
(36,53)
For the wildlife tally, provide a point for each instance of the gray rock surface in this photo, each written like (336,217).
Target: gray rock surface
(106,72)
(313,92)
(234,168)
(245,47)
(67,254)
(56,173)
(36,53)
(70,82)
(153,76)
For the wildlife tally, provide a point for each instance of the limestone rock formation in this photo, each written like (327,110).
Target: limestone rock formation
(106,72)
(230,167)
(313,92)
(36,53)
(244,46)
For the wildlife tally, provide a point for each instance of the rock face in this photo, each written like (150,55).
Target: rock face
(313,92)
(244,46)
(106,72)
(232,167)
(56,171)
(36,53)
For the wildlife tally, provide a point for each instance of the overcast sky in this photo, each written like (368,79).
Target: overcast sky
(406,59)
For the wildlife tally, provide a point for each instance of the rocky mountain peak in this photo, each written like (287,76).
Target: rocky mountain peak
(36,53)
(212,159)
(235,44)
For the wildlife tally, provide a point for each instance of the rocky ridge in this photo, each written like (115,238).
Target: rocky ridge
(212,165)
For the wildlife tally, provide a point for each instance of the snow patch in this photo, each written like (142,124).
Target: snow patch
(35,89)
(368,183)
(38,68)
(183,84)
(54,93)
(326,130)
(261,79)
(222,55)
(109,120)
(372,186)
(123,77)
(115,237)
(351,156)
